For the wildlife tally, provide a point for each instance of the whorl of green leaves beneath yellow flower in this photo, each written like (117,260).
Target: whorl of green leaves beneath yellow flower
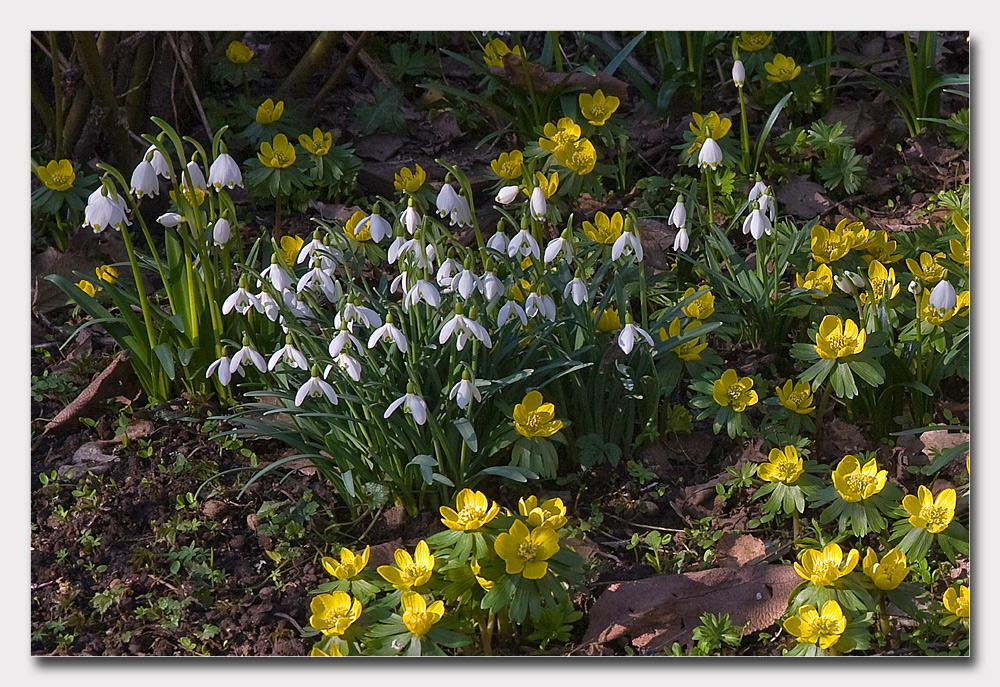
(350,564)
(86,287)
(237,53)
(290,247)
(836,339)
(317,144)
(57,175)
(278,154)
(550,512)
(702,307)
(527,551)
(889,572)
(473,511)
(823,629)
(409,571)
(269,112)
(418,617)
(609,321)
(932,513)
(410,181)
(597,108)
(495,50)
(755,40)
(783,465)
(534,419)
(508,165)
(820,279)
(782,69)
(604,229)
(351,227)
(825,567)
(333,614)
(855,483)
(732,390)
(956,604)
(689,350)
(797,398)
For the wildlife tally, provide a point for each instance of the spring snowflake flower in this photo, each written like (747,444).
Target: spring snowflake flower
(943,297)
(409,571)
(472,511)
(797,398)
(732,390)
(221,369)
(597,108)
(782,69)
(739,74)
(538,205)
(350,564)
(417,616)
(932,513)
(823,629)
(410,181)
(388,332)
(888,573)
(604,229)
(525,244)
(783,465)
(225,172)
(678,215)
(241,301)
(243,355)
(290,355)
(710,154)
(413,405)
(160,164)
(170,219)
(315,388)
(527,551)
(823,568)
(506,195)
(104,211)
(451,203)
(534,419)
(464,328)
(630,333)
(576,290)
(58,175)
(957,605)
(144,180)
(221,232)
(855,483)
(333,614)
(836,339)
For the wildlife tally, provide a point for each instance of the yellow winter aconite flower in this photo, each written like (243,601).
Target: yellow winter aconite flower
(237,53)
(927,271)
(782,69)
(690,350)
(518,288)
(932,513)
(708,126)
(57,175)
(836,339)
(957,605)
(887,573)
(107,273)
(317,144)
(550,512)
(702,307)
(533,418)
(496,49)
(409,571)
(269,112)
(855,483)
(290,248)
(825,567)
(597,108)
(604,229)
(333,614)
(797,398)
(483,582)
(961,224)
(351,227)
(527,551)
(755,40)
(827,246)
(823,629)
(410,181)
(939,316)
(86,287)
(278,154)
(334,651)
(853,234)
(783,465)
(880,248)
(882,281)
(474,511)
(508,165)
(350,564)
(820,279)
(547,184)
(609,321)
(579,156)
(731,389)
(560,134)
(418,617)
(958,252)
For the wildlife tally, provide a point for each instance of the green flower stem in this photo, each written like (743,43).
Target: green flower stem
(144,304)
(795,525)
(822,409)
(708,190)
(744,134)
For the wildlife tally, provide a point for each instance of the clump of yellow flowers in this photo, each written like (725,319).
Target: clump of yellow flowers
(837,339)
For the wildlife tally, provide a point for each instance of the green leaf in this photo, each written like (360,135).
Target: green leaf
(510,472)
(468,433)
(166,358)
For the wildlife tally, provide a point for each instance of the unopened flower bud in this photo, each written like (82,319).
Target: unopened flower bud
(739,74)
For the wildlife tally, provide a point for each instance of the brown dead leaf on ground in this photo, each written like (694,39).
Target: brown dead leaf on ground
(657,611)
(840,439)
(803,198)
(940,440)
(519,72)
(106,384)
(734,549)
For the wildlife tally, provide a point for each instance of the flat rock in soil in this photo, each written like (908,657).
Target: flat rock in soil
(87,458)
(803,198)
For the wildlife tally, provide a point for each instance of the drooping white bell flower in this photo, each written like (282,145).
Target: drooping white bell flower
(400,283)
(170,219)
(220,368)
(290,355)
(315,248)
(511,307)
(445,272)
(318,279)
(340,341)
(843,283)
(421,291)
(466,283)
(298,308)
(525,244)
(464,328)
(388,332)
(538,205)
(377,226)
(271,308)
(540,304)
(241,301)
(144,180)
(915,288)
(315,388)
(492,287)
(221,232)
(447,200)
(463,392)
(757,224)
(225,172)
(394,249)
(104,211)
(159,162)
(348,364)
(630,333)
(576,290)
(681,240)
(276,274)
(943,297)
(858,280)
(756,191)
(498,242)
(243,355)
(556,246)
(353,312)
(739,73)
(678,215)
(627,244)
(710,154)
(507,195)
(410,218)
(412,404)
(462,214)
(197,176)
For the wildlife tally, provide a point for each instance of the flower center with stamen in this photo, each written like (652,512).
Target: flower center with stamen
(735,392)
(858,481)
(527,551)
(839,342)
(825,626)
(936,516)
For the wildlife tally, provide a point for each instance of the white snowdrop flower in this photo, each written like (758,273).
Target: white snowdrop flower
(681,240)
(317,278)
(298,308)
(144,180)
(464,328)
(556,246)
(353,312)
(525,244)
(271,309)
(241,301)
(843,283)
(509,308)
(858,280)
(220,368)
(756,191)
(943,297)
(340,341)
(710,154)
(421,291)
(678,216)
(225,172)
(412,404)
(465,282)
(538,205)
(290,355)
(275,274)
(243,355)
(159,163)
(507,195)
(410,218)
(221,232)
(400,283)
(463,392)
(767,204)
(739,74)
(390,333)
(314,249)
(349,365)
(540,304)
(576,290)
(315,388)
(498,242)
(447,200)
(377,226)
(170,219)
(757,224)
(197,176)
(394,249)
(444,273)
(492,286)
(629,334)
(914,288)
(627,244)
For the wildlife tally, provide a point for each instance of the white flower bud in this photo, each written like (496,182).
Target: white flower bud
(739,74)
